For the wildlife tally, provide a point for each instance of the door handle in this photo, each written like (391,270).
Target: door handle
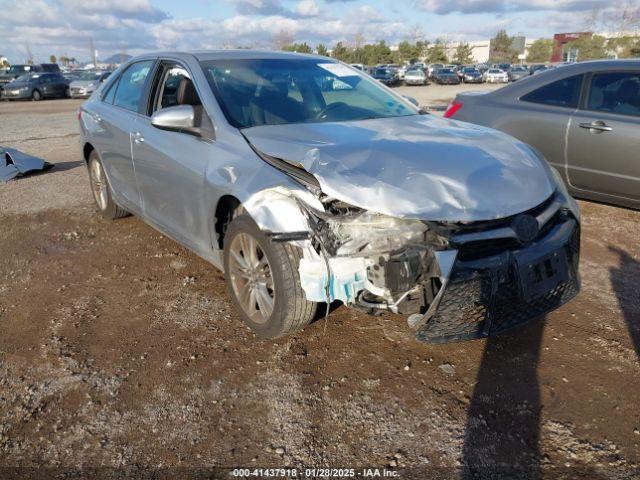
(137,137)
(598,125)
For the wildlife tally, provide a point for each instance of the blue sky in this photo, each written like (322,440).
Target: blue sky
(60,27)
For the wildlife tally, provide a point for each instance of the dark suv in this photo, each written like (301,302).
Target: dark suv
(16,71)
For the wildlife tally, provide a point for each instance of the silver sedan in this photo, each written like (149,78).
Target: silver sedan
(308,182)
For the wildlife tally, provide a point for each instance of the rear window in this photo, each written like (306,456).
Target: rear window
(561,93)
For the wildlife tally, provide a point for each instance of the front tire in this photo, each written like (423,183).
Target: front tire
(263,280)
(102,191)
(36,96)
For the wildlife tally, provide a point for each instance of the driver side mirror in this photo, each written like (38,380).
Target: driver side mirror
(181,118)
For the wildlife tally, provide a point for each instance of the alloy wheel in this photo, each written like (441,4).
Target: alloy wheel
(251,279)
(98,184)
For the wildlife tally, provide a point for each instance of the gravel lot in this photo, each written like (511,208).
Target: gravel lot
(119,351)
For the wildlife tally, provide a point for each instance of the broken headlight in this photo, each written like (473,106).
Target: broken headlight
(352,231)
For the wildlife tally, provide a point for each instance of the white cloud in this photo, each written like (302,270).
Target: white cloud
(307,8)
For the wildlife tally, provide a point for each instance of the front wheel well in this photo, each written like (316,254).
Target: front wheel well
(227,206)
(86,151)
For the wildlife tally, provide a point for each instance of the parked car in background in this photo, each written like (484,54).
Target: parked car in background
(517,73)
(87,83)
(584,118)
(385,75)
(14,72)
(36,86)
(471,75)
(50,67)
(359,66)
(495,75)
(72,75)
(303,196)
(432,69)
(415,76)
(446,76)
(542,68)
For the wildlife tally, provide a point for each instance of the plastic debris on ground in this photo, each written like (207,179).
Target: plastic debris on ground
(14,163)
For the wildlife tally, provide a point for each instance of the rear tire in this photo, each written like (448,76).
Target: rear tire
(101,190)
(271,271)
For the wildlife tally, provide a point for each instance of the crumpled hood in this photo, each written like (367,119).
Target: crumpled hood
(417,166)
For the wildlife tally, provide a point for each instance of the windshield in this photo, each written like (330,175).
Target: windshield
(255,92)
(470,70)
(89,76)
(445,70)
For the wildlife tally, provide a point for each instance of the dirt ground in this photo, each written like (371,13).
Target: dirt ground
(121,356)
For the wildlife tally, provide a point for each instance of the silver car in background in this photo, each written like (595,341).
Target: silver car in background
(415,76)
(87,83)
(308,182)
(584,118)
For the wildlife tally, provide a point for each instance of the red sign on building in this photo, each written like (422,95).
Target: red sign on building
(561,39)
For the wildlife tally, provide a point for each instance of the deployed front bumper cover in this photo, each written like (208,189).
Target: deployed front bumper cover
(486,296)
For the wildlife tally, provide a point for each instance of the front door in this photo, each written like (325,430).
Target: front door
(171,166)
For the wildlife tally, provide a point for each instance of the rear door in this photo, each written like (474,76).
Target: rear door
(603,150)
(47,85)
(113,123)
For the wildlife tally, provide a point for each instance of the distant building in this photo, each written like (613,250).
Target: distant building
(560,54)
(481,49)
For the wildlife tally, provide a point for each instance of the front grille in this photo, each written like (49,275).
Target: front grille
(493,246)
(480,301)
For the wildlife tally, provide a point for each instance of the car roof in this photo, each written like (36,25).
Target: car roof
(563,71)
(207,55)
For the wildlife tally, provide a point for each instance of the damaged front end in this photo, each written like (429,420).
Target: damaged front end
(454,281)
(367,218)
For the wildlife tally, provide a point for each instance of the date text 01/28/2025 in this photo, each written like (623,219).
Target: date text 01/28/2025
(315,473)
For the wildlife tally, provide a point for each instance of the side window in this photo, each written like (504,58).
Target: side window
(131,85)
(615,92)
(561,93)
(170,86)
(110,94)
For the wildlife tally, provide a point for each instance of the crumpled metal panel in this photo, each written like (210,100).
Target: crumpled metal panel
(415,166)
(14,163)
(484,297)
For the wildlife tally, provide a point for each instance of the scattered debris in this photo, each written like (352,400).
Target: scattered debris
(447,368)
(14,163)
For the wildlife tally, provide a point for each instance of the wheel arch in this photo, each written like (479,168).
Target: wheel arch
(87,148)
(227,205)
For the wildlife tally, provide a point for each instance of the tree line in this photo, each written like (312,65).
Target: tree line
(502,50)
